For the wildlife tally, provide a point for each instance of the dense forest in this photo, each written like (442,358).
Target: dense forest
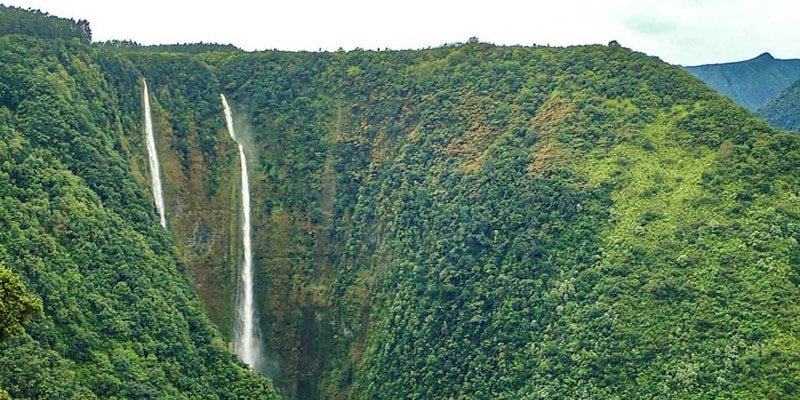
(467,221)
(119,318)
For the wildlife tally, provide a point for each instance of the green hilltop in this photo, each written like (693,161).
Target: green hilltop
(470,221)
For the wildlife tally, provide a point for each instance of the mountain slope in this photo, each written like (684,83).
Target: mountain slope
(751,83)
(509,222)
(516,223)
(120,318)
(783,111)
(560,246)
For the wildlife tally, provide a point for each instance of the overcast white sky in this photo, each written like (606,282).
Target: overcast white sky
(686,32)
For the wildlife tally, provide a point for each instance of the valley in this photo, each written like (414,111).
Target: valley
(464,221)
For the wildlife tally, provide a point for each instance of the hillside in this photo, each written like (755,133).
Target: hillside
(119,317)
(511,222)
(784,110)
(751,83)
(469,221)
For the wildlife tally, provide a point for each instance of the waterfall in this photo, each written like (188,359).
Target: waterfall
(246,340)
(152,154)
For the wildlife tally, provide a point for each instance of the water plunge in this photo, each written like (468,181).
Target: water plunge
(152,155)
(246,342)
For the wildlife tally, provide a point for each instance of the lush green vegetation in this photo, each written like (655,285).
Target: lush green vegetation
(17,306)
(751,83)
(469,221)
(490,222)
(784,111)
(120,319)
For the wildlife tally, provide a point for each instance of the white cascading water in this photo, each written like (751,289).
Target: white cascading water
(246,342)
(152,154)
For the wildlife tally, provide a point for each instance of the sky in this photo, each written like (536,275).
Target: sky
(684,32)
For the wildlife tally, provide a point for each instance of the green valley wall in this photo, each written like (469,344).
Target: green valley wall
(494,222)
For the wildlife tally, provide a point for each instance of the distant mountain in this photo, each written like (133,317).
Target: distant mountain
(784,111)
(751,83)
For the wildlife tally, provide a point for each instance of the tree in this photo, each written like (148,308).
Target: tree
(16,305)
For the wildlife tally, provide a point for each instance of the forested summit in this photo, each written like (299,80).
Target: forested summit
(40,24)
(470,221)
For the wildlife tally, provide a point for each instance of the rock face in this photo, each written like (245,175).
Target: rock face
(200,172)
(751,83)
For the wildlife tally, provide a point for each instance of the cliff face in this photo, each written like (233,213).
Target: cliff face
(200,175)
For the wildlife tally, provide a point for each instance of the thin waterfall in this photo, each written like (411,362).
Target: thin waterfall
(152,155)
(246,341)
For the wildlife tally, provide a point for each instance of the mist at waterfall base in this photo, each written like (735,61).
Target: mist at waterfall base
(246,342)
(152,155)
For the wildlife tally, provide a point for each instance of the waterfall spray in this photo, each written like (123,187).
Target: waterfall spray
(152,155)
(246,340)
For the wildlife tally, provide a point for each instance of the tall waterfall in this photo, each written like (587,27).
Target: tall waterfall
(152,154)
(246,341)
